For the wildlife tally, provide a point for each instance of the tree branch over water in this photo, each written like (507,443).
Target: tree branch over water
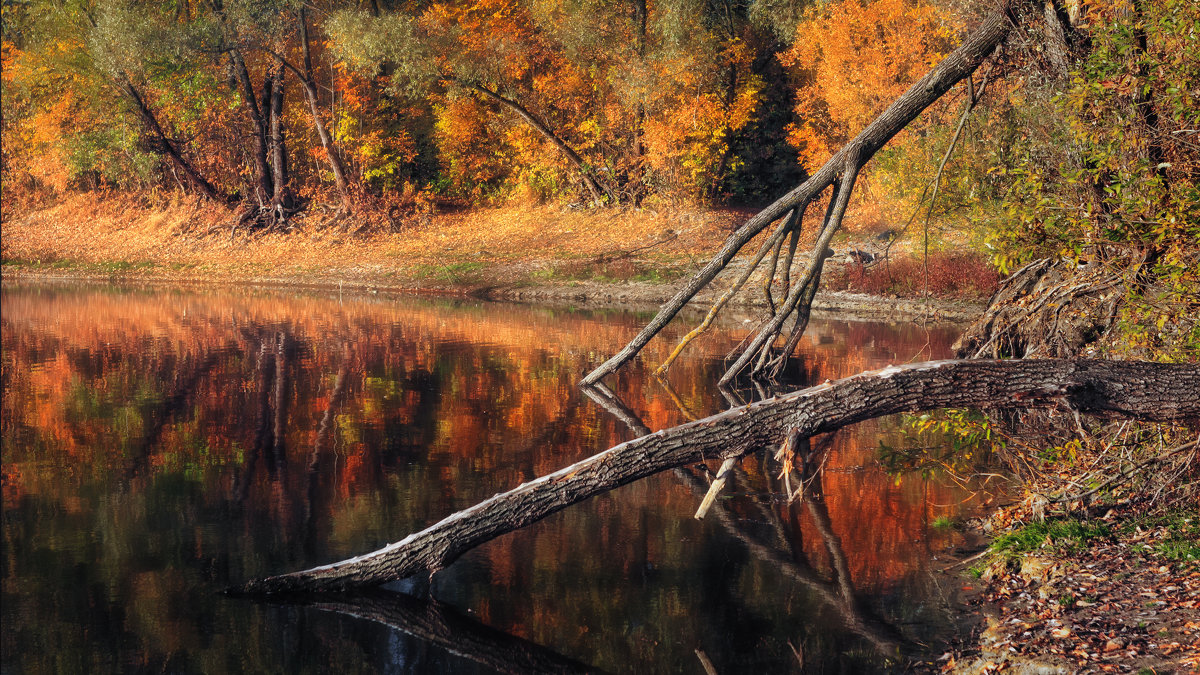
(1138,390)
(839,173)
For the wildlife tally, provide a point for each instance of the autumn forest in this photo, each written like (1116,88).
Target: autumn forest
(251,250)
(603,102)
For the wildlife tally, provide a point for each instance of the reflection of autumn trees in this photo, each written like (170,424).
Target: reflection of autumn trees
(117,381)
(786,550)
(204,438)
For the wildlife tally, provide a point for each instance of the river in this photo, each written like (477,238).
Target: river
(162,444)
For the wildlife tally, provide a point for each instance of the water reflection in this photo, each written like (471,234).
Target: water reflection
(439,624)
(776,547)
(161,445)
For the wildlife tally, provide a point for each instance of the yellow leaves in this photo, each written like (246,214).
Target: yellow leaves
(859,55)
(9,53)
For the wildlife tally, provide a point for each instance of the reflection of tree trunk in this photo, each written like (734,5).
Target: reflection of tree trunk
(1151,391)
(171,406)
(781,553)
(444,626)
(336,397)
(262,434)
(837,557)
(279,431)
(886,638)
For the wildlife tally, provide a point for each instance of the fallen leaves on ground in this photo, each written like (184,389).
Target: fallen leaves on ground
(1118,606)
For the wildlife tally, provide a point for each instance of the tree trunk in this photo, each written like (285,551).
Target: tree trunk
(959,64)
(835,593)
(310,92)
(1149,391)
(265,189)
(598,189)
(640,16)
(168,147)
(281,190)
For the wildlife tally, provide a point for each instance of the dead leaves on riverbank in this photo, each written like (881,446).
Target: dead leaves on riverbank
(1125,605)
(176,237)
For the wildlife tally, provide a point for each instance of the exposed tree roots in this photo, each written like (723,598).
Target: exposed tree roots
(1047,309)
(274,215)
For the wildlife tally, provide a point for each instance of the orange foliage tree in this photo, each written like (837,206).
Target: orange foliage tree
(274,101)
(541,98)
(856,57)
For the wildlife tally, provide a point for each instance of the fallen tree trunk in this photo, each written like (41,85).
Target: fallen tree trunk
(835,593)
(1140,390)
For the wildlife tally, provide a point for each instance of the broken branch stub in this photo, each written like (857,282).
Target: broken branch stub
(1149,391)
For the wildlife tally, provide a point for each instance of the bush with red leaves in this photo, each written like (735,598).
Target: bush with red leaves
(959,276)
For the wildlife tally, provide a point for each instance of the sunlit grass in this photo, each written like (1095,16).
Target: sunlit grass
(1066,534)
(181,237)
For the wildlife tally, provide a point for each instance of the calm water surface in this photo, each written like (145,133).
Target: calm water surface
(161,445)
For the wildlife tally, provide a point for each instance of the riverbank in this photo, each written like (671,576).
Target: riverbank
(1117,592)
(626,258)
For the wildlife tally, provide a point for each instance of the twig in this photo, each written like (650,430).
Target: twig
(619,255)
(973,97)
(1127,473)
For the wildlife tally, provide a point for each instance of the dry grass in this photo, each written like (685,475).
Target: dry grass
(416,245)
(177,236)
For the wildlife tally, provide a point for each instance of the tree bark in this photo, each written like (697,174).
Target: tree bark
(640,16)
(281,190)
(310,93)
(262,169)
(1149,391)
(836,594)
(959,64)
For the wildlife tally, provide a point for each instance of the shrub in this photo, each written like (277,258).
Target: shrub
(961,276)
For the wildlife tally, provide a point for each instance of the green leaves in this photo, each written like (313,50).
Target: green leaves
(1107,170)
(390,42)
